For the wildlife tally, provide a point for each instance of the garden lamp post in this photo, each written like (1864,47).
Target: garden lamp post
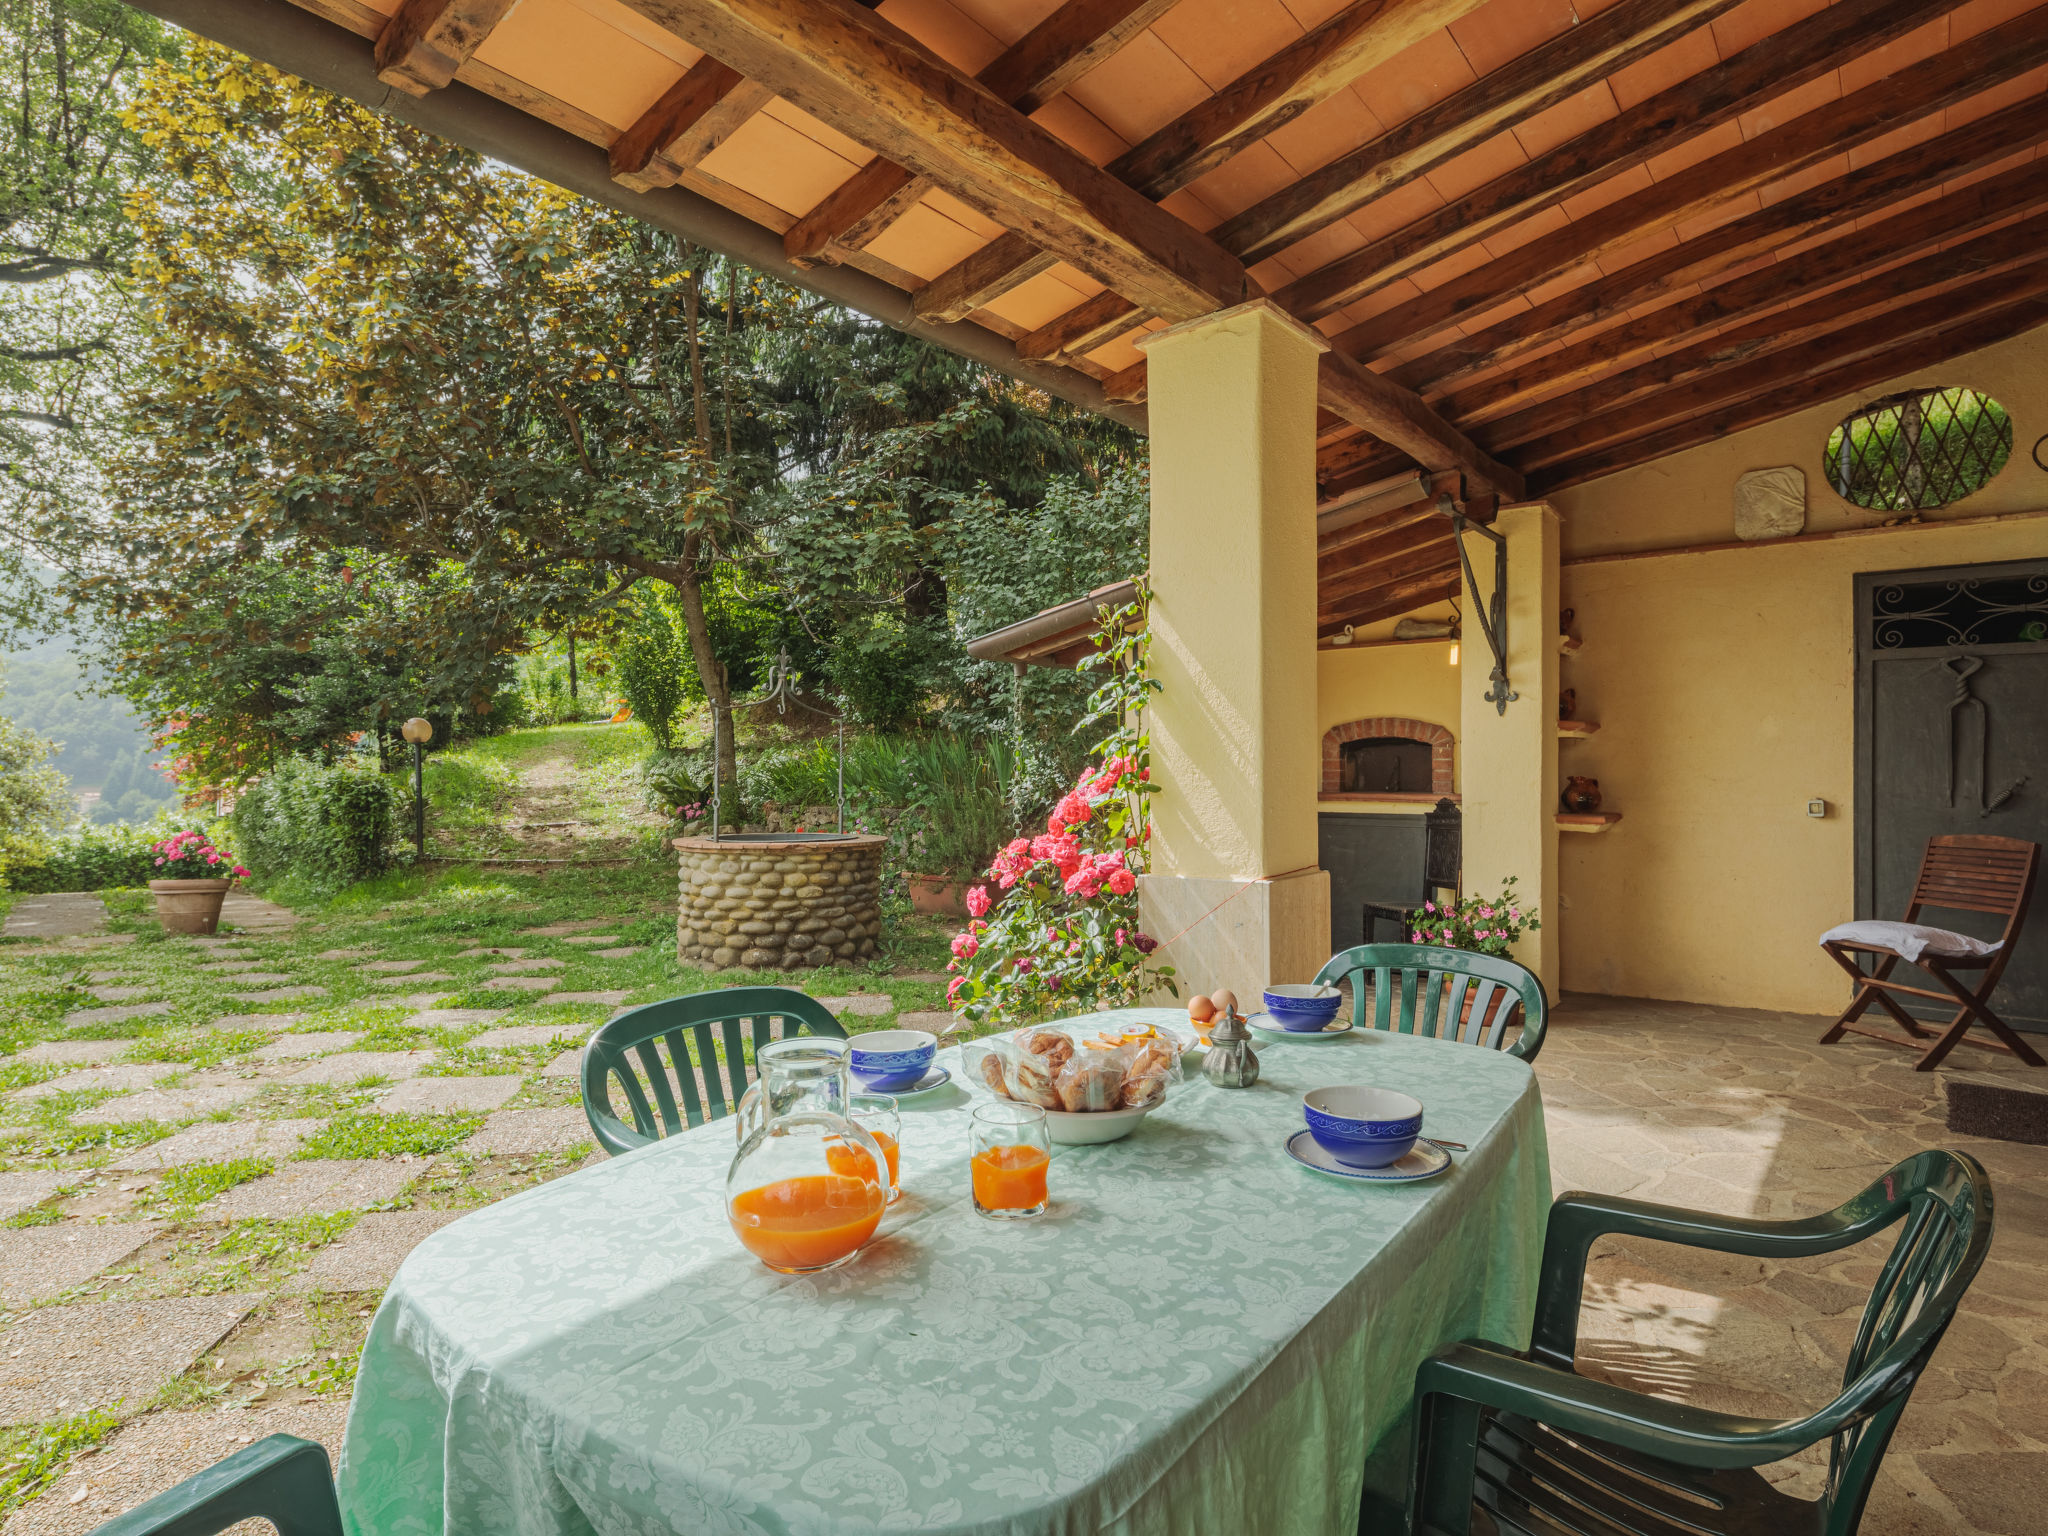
(419,732)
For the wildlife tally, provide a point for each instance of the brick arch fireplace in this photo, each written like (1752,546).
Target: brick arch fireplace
(1442,748)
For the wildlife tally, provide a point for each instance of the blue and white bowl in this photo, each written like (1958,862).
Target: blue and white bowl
(1363,1127)
(891,1060)
(1302,1006)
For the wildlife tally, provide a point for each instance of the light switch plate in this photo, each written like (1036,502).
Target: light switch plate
(1816,808)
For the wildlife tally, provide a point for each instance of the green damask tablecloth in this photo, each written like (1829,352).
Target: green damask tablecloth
(1202,1336)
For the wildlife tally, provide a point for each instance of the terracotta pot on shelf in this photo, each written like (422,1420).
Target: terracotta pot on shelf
(1581,795)
(189,906)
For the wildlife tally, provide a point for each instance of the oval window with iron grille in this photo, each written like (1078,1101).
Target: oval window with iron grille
(1924,448)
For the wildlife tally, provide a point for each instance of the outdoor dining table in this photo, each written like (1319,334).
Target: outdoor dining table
(1200,1335)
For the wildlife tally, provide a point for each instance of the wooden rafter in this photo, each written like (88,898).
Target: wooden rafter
(1914,92)
(1388,601)
(1834,204)
(1531,83)
(1400,418)
(1263,99)
(692,118)
(1425,529)
(881,87)
(1368,531)
(426,41)
(1815,389)
(1083,328)
(1715,387)
(1037,67)
(1811,47)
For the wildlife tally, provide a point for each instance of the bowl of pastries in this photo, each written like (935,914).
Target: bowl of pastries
(1095,1084)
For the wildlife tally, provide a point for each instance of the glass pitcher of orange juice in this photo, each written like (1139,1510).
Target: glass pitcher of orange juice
(808,1185)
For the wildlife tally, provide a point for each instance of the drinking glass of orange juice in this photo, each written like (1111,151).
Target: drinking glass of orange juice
(877,1114)
(1009,1150)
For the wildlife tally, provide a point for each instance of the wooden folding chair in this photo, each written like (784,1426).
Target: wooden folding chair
(1961,874)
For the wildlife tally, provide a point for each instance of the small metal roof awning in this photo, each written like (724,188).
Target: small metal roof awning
(1054,637)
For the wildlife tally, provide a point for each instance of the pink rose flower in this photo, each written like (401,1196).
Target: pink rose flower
(964,945)
(953,987)
(977,900)
(1025,963)
(1122,882)
(1144,943)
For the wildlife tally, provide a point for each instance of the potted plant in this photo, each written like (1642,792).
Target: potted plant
(1486,925)
(197,878)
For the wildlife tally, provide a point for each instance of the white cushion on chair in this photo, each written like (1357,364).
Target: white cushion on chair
(1909,941)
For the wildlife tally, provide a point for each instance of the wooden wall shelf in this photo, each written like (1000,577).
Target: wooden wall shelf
(1576,730)
(1569,644)
(1595,821)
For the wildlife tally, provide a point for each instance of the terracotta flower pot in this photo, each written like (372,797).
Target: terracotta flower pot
(941,895)
(189,906)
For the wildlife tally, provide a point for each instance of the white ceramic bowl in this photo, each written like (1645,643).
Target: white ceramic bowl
(1072,1130)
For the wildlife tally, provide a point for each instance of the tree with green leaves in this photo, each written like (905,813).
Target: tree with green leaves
(35,800)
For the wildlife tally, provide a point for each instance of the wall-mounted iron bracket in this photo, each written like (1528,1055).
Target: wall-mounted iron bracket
(1493,617)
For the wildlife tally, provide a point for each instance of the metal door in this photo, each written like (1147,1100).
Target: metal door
(1952,737)
(1370,858)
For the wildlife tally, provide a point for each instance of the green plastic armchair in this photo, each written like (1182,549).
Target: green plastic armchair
(1531,1446)
(1446,994)
(280,1478)
(689,1087)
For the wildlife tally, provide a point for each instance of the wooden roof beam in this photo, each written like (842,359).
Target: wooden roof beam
(881,87)
(1272,94)
(1752,305)
(1030,72)
(1853,378)
(1424,557)
(1832,205)
(1548,74)
(1745,379)
(1387,602)
(1401,419)
(426,41)
(1989,58)
(692,118)
(1083,328)
(1408,529)
(1811,47)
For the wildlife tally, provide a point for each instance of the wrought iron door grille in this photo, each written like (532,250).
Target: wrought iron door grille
(1994,610)
(1921,449)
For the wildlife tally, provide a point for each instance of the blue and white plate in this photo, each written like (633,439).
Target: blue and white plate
(938,1077)
(1270,1028)
(1425,1160)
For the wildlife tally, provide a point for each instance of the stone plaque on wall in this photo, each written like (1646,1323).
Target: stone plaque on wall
(1770,503)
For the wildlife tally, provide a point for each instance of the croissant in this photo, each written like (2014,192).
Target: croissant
(1143,1089)
(1086,1089)
(1055,1047)
(1033,1083)
(992,1073)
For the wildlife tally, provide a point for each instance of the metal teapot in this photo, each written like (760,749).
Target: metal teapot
(1231,1062)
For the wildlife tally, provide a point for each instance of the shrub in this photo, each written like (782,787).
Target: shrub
(653,658)
(330,826)
(100,858)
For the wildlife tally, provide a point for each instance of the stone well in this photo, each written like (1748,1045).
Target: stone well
(777,901)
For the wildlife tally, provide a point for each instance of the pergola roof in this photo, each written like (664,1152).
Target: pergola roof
(1548,239)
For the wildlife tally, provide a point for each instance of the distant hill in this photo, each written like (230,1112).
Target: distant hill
(106,749)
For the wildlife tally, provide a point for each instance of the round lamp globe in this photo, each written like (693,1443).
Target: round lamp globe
(417,731)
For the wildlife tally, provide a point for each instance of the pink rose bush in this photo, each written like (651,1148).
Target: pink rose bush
(190,856)
(1485,925)
(1061,936)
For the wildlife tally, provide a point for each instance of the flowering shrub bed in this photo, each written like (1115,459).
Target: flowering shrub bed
(1489,925)
(192,856)
(1062,937)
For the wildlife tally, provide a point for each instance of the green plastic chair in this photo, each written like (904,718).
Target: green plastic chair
(626,1050)
(1422,989)
(280,1478)
(1538,1448)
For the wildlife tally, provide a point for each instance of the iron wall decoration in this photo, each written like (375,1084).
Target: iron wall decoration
(1493,618)
(1964,701)
(1992,610)
(2038,446)
(1918,450)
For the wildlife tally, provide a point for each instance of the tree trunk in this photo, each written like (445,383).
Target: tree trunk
(709,672)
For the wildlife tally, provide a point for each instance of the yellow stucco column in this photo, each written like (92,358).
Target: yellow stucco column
(1235,893)
(1508,768)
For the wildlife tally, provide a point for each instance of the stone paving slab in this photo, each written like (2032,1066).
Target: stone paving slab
(283,994)
(455,1018)
(623,952)
(66,1360)
(409,981)
(929,976)
(59,915)
(260,978)
(320,1185)
(871,1005)
(73,1053)
(369,1255)
(592,938)
(315,1042)
(568,1064)
(343,954)
(121,994)
(502,954)
(121,1078)
(243,911)
(390,967)
(520,984)
(28,1189)
(169,1104)
(97,977)
(352,1066)
(524,967)
(240,967)
(448,1095)
(149,1455)
(410,1000)
(117,1013)
(609,999)
(258,1020)
(522,1035)
(39,1262)
(221,1141)
(526,1132)
(936,1022)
